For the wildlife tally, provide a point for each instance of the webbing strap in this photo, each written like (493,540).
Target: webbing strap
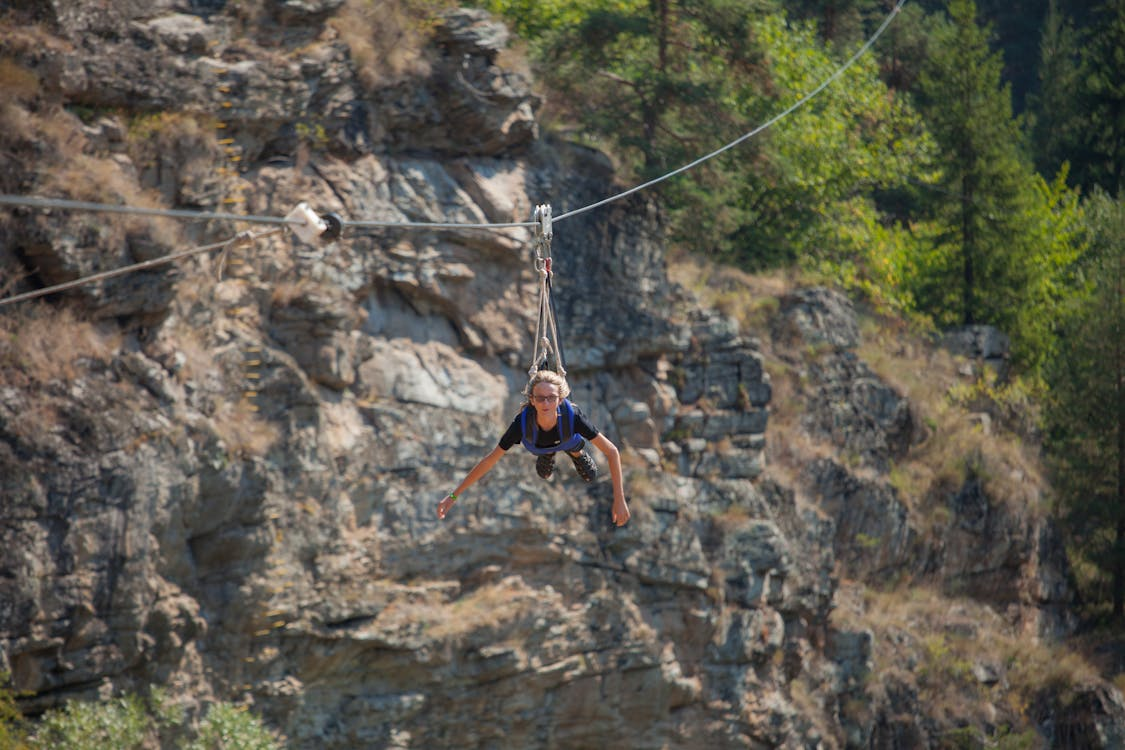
(546,327)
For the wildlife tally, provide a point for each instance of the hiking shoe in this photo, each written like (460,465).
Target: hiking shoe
(545,465)
(584,465)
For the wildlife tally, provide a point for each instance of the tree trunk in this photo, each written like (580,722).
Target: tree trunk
(968,251)
(1119,391)
(652,100)
(1118,569)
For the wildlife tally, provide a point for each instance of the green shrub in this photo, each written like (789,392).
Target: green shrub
(12,734)
(120,724)
(130,722)
(230,727)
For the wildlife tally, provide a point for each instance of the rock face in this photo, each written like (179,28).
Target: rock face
(230,489)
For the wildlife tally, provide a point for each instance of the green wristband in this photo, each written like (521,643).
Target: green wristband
(452,496)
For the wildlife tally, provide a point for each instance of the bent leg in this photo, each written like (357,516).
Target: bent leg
(584,465)
(545,465)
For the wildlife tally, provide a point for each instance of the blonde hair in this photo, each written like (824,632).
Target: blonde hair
(547,376)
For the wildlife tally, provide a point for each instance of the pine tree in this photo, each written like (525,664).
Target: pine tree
(1058,121)
(985,190)
(657,84)
(1087,410)
(655,78)
(1103,69)
(838,21)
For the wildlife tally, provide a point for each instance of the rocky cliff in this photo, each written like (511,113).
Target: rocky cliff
(221,475)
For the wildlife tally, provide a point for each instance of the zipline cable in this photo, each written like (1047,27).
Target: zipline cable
(179,213)
(171,213)
(364,224)
(239,239)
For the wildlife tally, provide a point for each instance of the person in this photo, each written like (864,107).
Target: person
(549,424)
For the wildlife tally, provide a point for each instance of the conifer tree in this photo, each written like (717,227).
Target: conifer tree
(1086,416)
(838,21)
(984,265)
(1056,109)
(1103,101)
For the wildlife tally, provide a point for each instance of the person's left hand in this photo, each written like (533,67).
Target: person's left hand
(444,506)
(621,513)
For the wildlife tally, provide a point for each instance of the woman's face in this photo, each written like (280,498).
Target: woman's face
(545,398)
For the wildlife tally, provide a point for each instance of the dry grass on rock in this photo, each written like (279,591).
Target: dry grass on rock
(958,443)
(964,659)
(40,343)
(386,38)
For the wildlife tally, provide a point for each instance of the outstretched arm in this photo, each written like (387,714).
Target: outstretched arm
(613,457)
(483,467)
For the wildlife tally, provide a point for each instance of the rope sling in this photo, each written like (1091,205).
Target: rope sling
(546,327)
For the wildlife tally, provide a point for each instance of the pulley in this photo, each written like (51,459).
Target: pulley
(311,227)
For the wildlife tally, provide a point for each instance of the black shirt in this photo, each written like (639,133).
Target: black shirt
(547,438)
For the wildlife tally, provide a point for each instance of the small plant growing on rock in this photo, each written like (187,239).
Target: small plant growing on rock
(230,727)
(13,735)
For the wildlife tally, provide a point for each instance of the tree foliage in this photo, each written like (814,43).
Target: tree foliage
(821,165)
(13,734)
(1086,414)
(1103,100)
(969,111)
(1056,121)
(653,79)
(1079,108)
(662,83)
(1009,236)
(838,21)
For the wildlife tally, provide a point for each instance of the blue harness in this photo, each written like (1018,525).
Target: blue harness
(569,439)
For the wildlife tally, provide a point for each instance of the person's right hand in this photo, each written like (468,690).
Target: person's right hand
(444,506)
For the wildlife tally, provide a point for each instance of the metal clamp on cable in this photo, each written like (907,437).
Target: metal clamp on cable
(542,219)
